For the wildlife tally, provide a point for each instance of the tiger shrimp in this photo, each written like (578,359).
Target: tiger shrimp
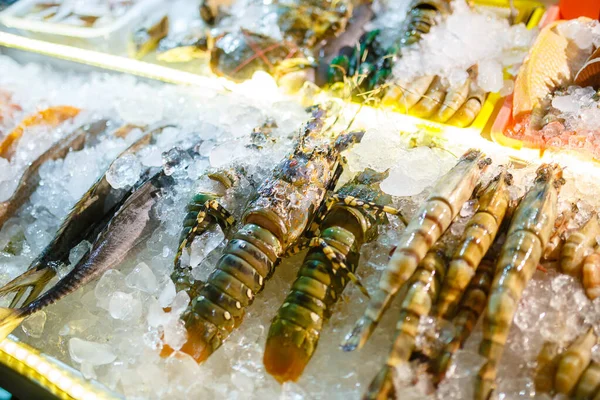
(574,362)
(469,310)
(425,228)
(590,274)
(422,291)
(477,238)
(577,244)
(527,237)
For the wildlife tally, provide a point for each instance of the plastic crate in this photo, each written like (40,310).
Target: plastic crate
(109,38)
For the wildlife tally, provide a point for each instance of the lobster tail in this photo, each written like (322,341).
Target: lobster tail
(286,355)
(219,307)
(295,331)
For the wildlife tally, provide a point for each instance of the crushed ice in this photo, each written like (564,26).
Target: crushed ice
(114,328)
(466,39)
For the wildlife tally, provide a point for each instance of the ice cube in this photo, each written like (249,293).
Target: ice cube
(152,339)
(142,278)
(175,161)
(124,306)
(124,171)
(175,334)
(92,353)
(182,369)
(167,294)
(566,103)
(156,316)
(87,370)
(34,325)
(79,251)
(110,282)
(204,244)
(180,303)
(489,76)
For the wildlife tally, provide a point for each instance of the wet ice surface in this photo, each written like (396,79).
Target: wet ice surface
(465,39)
(113,329)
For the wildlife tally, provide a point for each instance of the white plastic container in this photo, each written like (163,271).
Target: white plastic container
(111,38)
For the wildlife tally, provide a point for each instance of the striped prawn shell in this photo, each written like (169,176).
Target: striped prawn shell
(576,245)
(422,290)
(547,361)
(526,239)
(573,362)
(296,328)
(272,223)
(477,238)
(422,16)
(469,310)
(590,276)
(430,221)
(588,386)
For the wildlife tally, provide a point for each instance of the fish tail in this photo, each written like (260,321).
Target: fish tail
(10,318)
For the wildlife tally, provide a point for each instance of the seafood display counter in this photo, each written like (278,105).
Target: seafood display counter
(348,49)
(173,234)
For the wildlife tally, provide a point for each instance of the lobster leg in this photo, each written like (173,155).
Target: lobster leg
(356,202)
(338,261)
(216,210)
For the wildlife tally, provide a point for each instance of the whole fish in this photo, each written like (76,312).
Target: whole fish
(85,221)
(131,226)
(30,179)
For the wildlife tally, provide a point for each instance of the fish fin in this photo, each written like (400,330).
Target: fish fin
(10,318)
(36,279)
(360,334)
(382,387)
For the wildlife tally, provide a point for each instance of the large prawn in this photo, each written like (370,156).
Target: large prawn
(526,240)
(475,242)
(426,227)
